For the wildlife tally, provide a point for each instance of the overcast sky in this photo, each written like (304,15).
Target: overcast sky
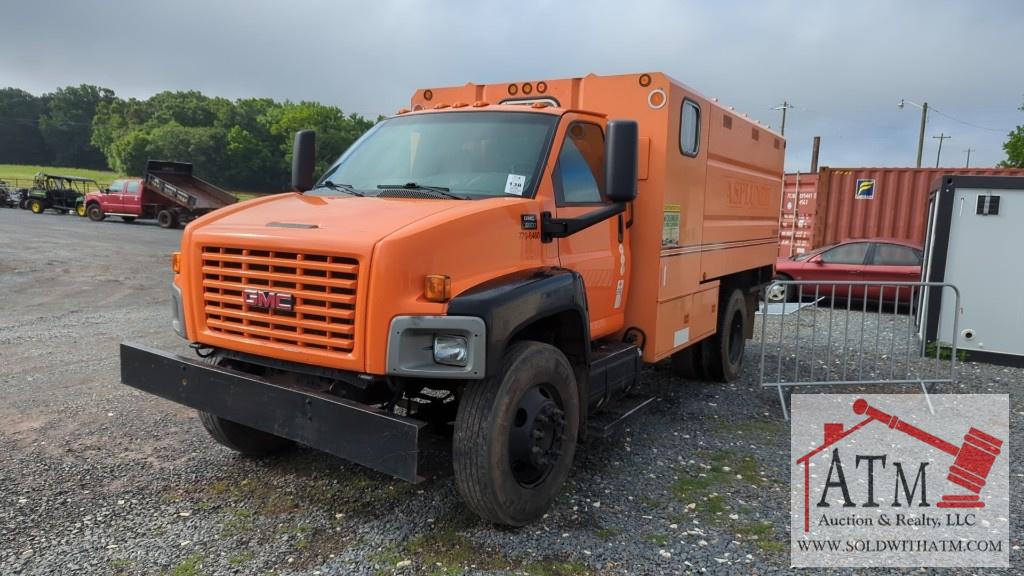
(844,66)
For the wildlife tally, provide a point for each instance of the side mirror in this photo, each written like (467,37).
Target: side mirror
(303,160)
(620,159)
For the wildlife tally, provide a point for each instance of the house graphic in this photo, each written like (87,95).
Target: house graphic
(972,461)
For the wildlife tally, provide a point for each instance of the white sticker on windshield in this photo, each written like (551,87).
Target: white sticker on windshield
(515,184)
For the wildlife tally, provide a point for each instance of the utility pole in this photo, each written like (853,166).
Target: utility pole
(785,106)
(920,136)
(942,136)
(924,120)
(969,150)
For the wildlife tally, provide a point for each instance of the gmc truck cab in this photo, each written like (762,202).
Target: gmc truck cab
(495,263)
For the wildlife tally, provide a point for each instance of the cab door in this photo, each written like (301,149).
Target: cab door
(113,198)
(131,201)
(598,253)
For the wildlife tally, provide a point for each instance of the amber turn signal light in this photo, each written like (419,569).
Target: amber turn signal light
(437,288)
(176,262)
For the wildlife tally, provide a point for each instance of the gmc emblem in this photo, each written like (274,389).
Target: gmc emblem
(279,301)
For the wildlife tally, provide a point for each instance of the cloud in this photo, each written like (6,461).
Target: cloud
(843,65)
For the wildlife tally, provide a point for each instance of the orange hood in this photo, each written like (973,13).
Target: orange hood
(315,219)
(397,242)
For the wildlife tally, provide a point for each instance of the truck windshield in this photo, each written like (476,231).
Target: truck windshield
(471,154)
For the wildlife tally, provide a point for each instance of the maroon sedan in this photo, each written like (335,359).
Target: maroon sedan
(874,260)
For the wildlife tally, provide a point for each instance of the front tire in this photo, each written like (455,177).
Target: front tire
(722,354)
(515,435)
(241,439)
(779,293)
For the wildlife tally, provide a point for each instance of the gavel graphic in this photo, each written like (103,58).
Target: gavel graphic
(972,461)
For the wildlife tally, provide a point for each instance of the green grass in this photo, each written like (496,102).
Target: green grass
(190,566)
(555,568)
(26,173)
(726,469)
(659,539)
(762,534)
(241,558)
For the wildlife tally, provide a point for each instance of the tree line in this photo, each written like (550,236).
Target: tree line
(238,144)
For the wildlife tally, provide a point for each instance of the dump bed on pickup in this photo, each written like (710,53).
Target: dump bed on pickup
(174,181)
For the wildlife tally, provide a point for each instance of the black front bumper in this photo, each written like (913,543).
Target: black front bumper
(357,432)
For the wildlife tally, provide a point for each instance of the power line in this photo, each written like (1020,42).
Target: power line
(964,122)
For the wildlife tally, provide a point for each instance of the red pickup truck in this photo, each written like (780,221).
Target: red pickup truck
(168,193)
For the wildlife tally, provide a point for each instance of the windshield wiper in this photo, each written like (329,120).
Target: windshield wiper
(346,188)
(414,186)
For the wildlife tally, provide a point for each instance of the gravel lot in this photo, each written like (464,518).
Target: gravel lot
(97,478)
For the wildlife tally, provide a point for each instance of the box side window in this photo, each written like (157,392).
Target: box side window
(689,128)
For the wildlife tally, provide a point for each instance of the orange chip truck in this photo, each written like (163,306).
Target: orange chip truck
(494,263)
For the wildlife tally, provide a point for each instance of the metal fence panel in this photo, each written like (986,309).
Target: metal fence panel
(851,334)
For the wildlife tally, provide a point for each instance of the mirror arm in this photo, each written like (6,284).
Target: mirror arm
(551,227)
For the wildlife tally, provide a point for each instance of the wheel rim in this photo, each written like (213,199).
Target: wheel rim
(36,207)
(736,338)
(81,210)
(535,440)
(776,293)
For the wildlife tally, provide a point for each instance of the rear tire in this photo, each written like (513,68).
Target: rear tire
(722,354)
(36,206)
(95,213)
(515,435)
(166,219)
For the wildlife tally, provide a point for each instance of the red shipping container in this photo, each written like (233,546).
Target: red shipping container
(842,203)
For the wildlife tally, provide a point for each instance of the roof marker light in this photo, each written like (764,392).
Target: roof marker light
(527,88)
(513,89)
(645,80)
(656,99)
(542,87)
(428,94)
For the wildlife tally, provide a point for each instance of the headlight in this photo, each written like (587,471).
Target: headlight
(451,350)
